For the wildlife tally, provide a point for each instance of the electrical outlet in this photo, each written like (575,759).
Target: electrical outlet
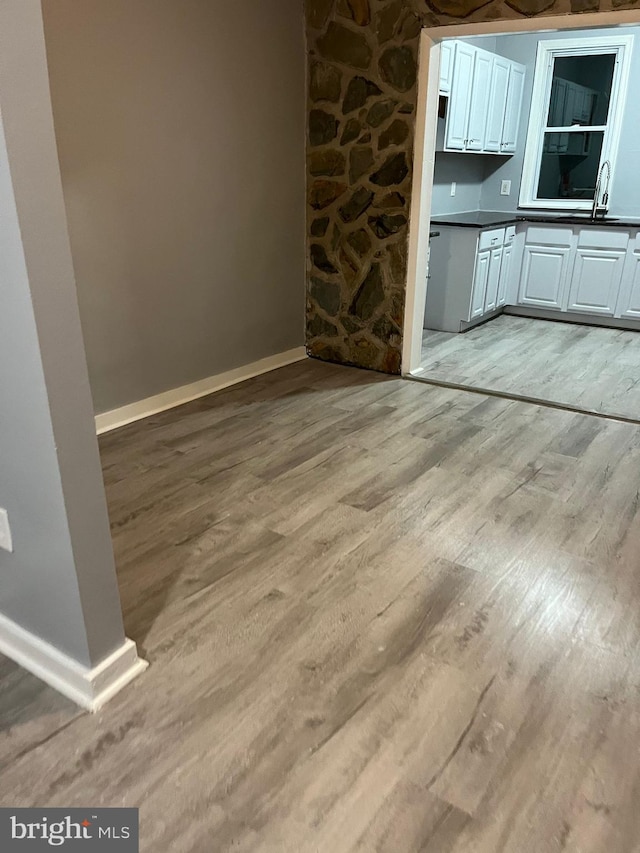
(5,531)
(505,188)
(453,187)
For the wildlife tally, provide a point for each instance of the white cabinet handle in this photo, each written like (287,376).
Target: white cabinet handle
(494,240)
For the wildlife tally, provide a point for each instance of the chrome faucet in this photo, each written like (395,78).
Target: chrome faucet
(605,195)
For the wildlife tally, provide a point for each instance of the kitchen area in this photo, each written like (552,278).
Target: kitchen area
(533,284)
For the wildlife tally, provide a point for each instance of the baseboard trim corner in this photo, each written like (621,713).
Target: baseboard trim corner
(132,412)
(89,688)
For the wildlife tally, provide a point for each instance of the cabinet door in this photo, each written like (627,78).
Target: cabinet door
(513,108)
(480,87)
(629,299)
(596,279)
(483,259)
(505,272)
(493,280)
(544,271)
(458,112)
(446,66)
(497,102)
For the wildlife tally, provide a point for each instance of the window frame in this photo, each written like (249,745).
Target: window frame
(548,50)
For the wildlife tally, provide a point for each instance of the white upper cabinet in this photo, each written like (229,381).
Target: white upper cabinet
(447,49)
(458,112)
(513,108)
(497,102)
(477,124)
(485,100)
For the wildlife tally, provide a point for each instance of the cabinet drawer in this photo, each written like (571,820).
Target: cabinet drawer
(602,238)
(491,239)
(509,235)
(549,236)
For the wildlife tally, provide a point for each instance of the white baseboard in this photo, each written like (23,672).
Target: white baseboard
(186,393)
(89,688)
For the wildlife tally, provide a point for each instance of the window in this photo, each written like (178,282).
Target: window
(579,91)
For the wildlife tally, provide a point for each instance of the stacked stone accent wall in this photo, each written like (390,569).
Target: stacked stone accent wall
(362,101)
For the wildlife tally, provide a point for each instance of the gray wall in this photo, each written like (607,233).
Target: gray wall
(625,191)
(59,583)
(467,170)
(180,128)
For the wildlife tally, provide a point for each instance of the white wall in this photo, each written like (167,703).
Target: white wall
(180,128)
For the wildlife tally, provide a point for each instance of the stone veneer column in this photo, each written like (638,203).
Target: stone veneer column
(362,100)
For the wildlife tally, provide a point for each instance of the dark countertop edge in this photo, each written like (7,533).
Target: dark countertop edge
(468,224)
(607,223)
(513,219)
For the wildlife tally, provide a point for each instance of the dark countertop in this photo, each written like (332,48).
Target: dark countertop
(476,219)
(613,221)
(495,218)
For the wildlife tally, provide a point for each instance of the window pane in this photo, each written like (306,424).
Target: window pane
(581,90)
(569,166)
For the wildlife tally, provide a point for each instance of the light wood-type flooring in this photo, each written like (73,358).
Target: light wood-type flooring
(380,616)
(589,367)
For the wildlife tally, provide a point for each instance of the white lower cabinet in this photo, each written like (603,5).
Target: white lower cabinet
(484,298)
(595,282)
(473,260)
(544,273)
(480,279)
(580,270)
(597,271)
(493,279)
(629,297)
(504,281)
